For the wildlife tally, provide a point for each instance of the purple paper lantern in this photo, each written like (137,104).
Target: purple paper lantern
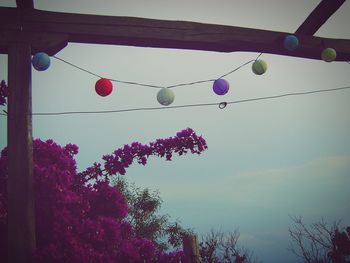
(221,87)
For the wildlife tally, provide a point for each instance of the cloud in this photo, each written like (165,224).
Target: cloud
(313,173)
(264,199)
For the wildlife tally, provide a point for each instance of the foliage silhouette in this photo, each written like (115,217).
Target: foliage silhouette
(320,242)
(80,217)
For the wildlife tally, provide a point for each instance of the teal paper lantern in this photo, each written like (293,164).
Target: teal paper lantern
(259,67)
(165,96)
(221,87)
(41,61)
(291,42)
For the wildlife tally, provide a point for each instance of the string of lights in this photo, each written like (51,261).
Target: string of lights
(221,105)
(157,86)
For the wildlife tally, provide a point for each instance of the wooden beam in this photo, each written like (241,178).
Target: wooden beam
(324,10)
(143,32)
(21,222)
(25,4)
(39,42)
(191,248)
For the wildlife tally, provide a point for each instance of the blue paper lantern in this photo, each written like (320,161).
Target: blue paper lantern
(291,42)
(221,87)
(41,61)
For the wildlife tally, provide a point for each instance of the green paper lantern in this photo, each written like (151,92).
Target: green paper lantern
(259,67)
(328,54)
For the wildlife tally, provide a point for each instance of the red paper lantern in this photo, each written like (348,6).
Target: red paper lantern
(103,87)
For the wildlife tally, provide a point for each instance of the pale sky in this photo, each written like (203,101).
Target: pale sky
(267,160)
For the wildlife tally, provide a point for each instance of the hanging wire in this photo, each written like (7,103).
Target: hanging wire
(221,105)
(241,66)
(75,66)
(156,86)
(258,56)
(288,95)
(234,70)
(99,76)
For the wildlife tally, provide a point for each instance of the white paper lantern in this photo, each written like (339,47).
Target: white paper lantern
(165,96)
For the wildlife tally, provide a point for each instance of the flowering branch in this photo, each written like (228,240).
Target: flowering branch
(116,163)
(81,222)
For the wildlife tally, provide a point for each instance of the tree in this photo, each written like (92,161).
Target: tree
(80,217)
(340,252)
(3,92)
(319,242)
(221,247)
(143,208)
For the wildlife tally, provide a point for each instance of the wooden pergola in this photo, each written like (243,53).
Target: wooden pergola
(25,31)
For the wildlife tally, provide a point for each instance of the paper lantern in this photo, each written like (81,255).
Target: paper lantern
(41,61)
(259,67)
(291,42)
(165,96)
(221,87)
(103,87)
(329,54)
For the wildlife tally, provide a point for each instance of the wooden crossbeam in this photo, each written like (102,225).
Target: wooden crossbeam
(80,28)
(319,16)
(25,4)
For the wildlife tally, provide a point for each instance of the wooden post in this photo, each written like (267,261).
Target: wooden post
(21,214)
(191,249)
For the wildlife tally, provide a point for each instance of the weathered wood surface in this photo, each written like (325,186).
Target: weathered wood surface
(25,3)
(319,16)
(191,248)
(21,220)
(142,32)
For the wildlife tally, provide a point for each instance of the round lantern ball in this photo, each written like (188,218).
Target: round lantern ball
(259,67)
(328,54)
(41,61)
(165,96)
(103,87)
(221,87)
(291,42)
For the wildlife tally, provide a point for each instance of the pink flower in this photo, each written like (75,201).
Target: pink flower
(80,217)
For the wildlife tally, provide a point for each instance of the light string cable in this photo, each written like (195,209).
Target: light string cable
(191,105)
(156,86)
(221,104)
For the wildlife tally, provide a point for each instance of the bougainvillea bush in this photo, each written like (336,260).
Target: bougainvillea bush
(80,217)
